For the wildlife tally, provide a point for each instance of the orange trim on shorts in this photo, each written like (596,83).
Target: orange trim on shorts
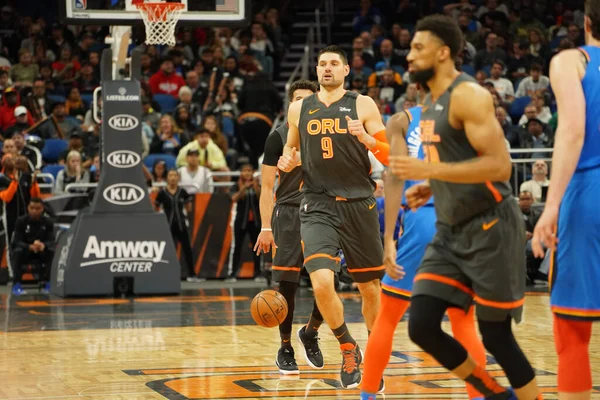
(495,192)
(370,269)
(445,280)
(575,312)
(551,269)
(302,244)
(278,268)
(338,198)
(301,184)
(504,305)
(321,255)
(405,293)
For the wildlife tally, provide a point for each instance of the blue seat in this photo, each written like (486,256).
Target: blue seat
(228,126)
(54,98)
(52,149)
(87,99)
(166,102)
(468,69)
(53,169)
(167,158)
(517,108)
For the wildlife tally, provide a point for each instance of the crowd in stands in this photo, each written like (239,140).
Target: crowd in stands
(211,92)
(508,46)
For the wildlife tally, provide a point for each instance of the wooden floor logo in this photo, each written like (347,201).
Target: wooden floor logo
(410,375)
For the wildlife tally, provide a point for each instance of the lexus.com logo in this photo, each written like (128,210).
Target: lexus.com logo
(123,194)
(123,159)
(123,122)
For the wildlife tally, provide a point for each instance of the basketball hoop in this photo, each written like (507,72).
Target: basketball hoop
(160,20)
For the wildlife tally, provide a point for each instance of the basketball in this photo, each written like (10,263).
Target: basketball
(269,308)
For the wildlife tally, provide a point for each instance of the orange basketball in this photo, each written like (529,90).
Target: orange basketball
(269,308)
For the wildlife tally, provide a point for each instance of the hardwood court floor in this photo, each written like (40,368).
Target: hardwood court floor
(204,345)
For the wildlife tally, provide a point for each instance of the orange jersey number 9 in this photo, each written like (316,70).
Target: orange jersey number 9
(431,153)
(327,147)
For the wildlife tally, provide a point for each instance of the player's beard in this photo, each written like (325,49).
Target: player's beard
(331,84)
(422,77)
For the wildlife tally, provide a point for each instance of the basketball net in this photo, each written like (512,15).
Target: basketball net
(160,20)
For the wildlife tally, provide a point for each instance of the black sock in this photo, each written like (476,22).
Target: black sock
(288,291)
(286,340)
(314,322)
(343,335)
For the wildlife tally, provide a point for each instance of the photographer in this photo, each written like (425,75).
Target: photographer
(32,241)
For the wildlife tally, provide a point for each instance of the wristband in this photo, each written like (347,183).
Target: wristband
(266,230)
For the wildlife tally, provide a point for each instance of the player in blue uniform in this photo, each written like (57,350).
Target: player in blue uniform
(571,209)
(418,229)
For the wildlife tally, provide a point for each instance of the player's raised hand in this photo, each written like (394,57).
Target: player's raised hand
(544,236)
(405,167)
(288,162)
(394,270)
(418,195)
(265,242)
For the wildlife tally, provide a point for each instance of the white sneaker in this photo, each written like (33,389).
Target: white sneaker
(195,279)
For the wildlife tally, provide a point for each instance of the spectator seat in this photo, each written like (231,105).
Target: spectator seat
(52,149)
(53,169)
(87,100)
(54,98)
(166,102)
(167,158)
(468,69)
(517,108)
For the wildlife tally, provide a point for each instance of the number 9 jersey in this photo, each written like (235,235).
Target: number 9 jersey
(334,162)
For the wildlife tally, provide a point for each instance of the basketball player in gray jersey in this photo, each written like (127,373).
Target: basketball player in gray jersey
(334,130)
(478,252)
(281,232)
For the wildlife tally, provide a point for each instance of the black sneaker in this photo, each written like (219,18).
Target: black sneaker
(311,350)
(381,386)
(350,375)
(286,362)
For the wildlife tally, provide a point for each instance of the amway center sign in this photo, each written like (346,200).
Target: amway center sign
(123,256)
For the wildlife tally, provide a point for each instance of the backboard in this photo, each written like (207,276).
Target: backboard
(123,12)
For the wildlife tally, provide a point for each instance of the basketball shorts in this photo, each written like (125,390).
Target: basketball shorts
(288,258)
(328,225)
(418,229)
(482,259)
(575,268)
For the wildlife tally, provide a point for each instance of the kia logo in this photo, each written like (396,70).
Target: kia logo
(123,159)
(123,194)
(123,122)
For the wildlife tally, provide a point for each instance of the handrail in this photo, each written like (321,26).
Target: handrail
(80,185)
(164,184)
(329,16)
(46,185)
(302,68)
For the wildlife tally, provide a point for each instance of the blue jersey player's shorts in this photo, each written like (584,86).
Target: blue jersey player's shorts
(418,229)
(575,271)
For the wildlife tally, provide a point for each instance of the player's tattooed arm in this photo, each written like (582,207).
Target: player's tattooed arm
(472,109)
